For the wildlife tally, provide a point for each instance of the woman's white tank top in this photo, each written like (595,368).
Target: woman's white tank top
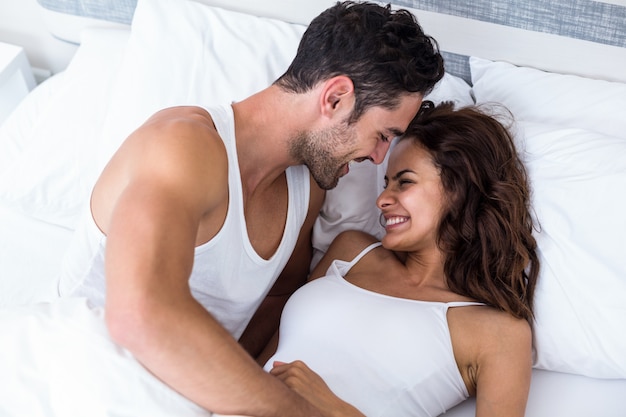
(387,356)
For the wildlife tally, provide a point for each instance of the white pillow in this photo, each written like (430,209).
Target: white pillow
(30,258)
(573,131)
(565,100)
(352,204)
(46,172)
(578,180)
(16,131)
(185,53)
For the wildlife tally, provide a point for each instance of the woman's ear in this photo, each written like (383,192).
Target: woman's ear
(337,98)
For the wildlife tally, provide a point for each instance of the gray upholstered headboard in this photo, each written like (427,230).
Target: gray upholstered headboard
(118,11)
(583,37)
(587,20)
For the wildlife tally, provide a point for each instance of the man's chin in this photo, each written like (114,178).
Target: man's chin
(327,185)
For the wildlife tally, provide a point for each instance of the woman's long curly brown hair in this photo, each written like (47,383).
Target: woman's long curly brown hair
(486,232)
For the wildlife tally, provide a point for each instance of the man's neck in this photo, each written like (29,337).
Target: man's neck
(265,123)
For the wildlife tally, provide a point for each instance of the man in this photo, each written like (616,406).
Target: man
(202,210)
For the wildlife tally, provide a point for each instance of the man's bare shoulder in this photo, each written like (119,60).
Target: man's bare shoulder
(177,153)
(182,139)
(190,114)
(181,144)
(180,122)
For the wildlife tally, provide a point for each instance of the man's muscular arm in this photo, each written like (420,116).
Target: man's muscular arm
(150,202)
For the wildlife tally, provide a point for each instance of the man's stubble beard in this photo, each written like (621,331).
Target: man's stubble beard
(316,150)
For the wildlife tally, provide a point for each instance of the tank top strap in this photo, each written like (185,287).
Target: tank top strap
(464,303)
(363,253)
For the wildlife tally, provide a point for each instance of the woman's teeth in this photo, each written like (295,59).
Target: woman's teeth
(395,220)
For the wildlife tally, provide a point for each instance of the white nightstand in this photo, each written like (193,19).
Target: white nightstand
(16,78)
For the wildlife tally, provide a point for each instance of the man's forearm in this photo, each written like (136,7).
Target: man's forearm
(192,353)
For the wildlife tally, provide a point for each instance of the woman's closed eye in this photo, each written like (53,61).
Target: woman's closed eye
(399,181)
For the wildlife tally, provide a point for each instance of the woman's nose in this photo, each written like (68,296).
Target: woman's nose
(384,199)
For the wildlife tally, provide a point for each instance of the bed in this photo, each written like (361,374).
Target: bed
(558,65)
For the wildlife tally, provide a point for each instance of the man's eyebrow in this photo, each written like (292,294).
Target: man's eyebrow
(395,131)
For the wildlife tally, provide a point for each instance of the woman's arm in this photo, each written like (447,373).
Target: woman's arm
(504,369)
(310,385)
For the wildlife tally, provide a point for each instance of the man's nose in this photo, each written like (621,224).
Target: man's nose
(378,155)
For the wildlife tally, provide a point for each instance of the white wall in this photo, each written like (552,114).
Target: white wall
(21,24)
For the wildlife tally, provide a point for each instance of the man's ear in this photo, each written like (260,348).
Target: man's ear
(337,98)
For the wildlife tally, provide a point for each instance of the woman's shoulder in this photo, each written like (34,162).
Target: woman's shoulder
(351,242)
(488,332)
(489,321)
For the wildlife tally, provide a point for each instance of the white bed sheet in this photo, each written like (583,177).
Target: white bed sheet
(58,361)
(30,254)
(556,394)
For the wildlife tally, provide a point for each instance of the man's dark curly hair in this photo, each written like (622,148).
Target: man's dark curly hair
(384,52)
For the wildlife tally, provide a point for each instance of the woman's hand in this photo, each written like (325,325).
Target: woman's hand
(300,378)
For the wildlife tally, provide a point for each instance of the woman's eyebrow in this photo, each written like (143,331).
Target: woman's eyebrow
(402,172)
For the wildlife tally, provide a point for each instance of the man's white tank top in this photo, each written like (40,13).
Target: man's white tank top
(387,356)
(228,277)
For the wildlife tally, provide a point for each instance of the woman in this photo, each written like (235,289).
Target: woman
(442,310)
